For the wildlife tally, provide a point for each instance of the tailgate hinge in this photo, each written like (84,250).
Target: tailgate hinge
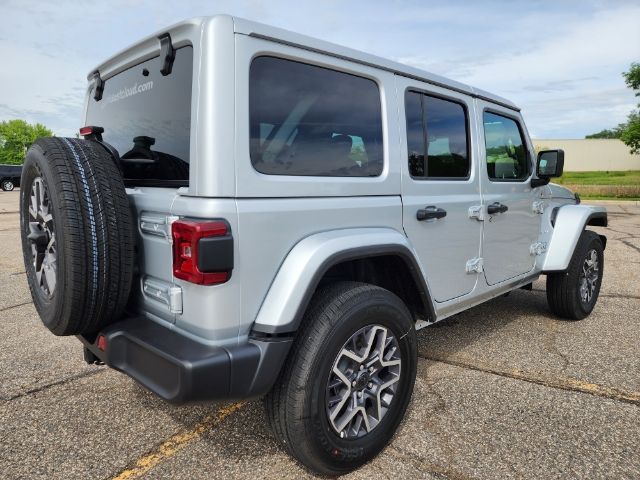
(474,265)
(99,85)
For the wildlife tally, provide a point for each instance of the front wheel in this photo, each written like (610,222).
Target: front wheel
(7,185)
(348,380)
(573,294)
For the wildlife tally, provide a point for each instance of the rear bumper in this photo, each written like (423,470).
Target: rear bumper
(180,369)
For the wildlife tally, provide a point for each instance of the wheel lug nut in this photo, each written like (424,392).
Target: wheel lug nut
(361,367)
(353,384)
(371,369)
(360,394)
(370,385)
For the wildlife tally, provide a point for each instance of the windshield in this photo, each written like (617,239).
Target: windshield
(147,118)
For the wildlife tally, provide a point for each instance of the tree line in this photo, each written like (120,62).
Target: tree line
(16,136)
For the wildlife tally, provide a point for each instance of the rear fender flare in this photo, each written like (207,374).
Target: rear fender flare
(303,268)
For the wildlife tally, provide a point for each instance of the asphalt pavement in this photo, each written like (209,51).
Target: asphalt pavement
(504,390)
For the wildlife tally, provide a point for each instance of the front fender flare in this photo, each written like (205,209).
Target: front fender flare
(303,268)
(569,223)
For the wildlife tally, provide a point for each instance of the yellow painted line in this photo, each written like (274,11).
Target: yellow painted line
(174,444)
(562,383)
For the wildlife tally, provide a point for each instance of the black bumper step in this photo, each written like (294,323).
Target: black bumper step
(180,369)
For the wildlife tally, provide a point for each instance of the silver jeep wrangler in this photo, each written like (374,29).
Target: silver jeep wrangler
(252,212)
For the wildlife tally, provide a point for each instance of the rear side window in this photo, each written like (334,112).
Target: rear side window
(437,137)
(308,120)
(507,158)
(147,118)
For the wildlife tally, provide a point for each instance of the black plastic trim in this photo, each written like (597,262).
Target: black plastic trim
(167,54)
(99,87)
(352,254)
(598,219)
(215,254)
(180,369)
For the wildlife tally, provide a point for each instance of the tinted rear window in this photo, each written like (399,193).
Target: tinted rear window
(147,118)
(308,120)
(438,128)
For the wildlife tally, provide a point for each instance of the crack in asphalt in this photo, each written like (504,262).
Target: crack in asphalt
(429,467)
(568,384)
(62,381)
(629,244)
(172,445)
(4,309)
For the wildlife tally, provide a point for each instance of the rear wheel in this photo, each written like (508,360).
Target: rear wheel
(77,235)
(573,294)
(7,185)
(348,380)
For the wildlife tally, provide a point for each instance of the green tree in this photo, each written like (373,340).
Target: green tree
(631,133)
(632,78)
(16,136)
(628,132)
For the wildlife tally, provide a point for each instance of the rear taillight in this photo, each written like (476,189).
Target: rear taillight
(198,262)
(92,133)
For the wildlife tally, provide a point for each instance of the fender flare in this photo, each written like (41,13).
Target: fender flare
(569,221)
(299,275)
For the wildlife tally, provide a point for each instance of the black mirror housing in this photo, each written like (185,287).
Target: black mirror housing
(550,164)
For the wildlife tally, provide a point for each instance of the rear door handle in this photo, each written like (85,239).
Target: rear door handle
(496,207)
(430,212)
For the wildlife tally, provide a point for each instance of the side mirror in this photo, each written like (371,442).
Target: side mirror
(550,164)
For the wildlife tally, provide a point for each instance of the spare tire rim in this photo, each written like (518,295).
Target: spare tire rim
(362,383)
(42,237)
(589,276)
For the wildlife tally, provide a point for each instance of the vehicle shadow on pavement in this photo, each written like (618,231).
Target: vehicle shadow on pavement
(245,436)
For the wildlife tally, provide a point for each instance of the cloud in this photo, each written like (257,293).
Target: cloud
(561,61)
(568,82)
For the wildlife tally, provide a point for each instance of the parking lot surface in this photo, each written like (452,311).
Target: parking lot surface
(504,390)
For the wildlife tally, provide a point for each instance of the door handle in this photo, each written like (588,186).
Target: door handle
(496,207)
(430,212)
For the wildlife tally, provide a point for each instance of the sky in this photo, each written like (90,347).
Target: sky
(559,60)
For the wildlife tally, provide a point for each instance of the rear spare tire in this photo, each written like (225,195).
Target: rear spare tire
(77,235)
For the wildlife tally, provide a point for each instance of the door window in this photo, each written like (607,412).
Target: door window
(506,151)
(436,137)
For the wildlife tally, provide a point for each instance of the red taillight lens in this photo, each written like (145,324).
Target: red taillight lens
(92,132)
(186,238)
